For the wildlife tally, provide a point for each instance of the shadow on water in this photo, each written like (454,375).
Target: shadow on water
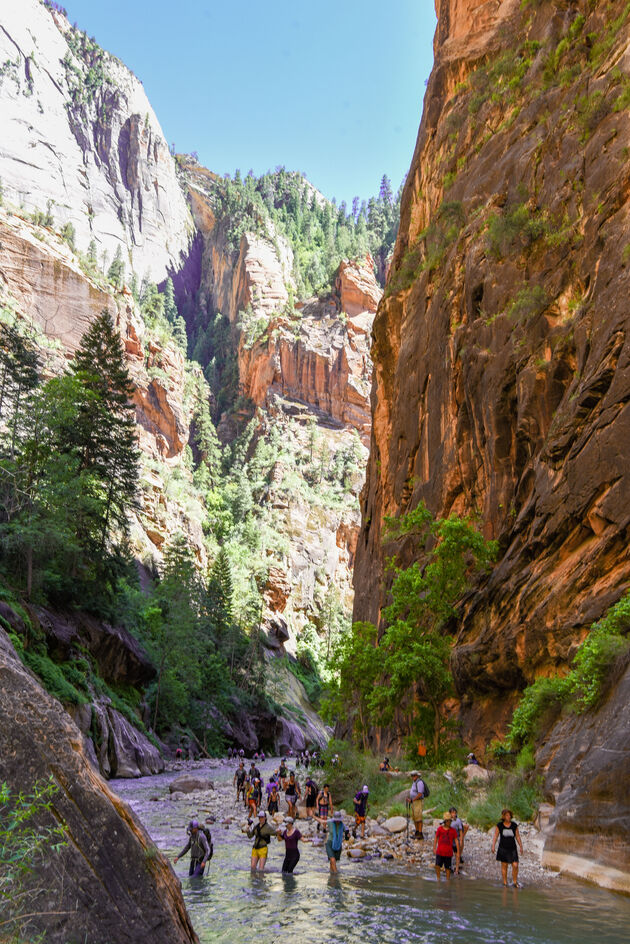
(368,902)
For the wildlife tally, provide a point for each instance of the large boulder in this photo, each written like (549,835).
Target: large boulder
(109,882)
(395,824)
(189,784)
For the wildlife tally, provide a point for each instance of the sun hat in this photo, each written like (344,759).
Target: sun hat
(289,819)
(414,773)
(366,789)
(447,815)
(261,813)
(337,815)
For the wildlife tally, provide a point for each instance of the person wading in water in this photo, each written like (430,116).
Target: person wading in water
(508,835)
(324,806)
(291,794)
(261,833)
(334,842)
(445,838)
(199,849)
(291,837)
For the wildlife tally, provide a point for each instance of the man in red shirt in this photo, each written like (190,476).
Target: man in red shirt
(445,838)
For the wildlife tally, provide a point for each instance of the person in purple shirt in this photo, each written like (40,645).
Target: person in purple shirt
(360,810)
(291,836)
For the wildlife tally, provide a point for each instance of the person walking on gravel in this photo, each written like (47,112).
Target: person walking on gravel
(291,836)
(291,794)
(360,810)
(261,833)
(239,780)
(506,831)
(417,793)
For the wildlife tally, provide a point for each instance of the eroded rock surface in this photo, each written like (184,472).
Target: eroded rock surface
(501,358)
(78,130)
(123,884)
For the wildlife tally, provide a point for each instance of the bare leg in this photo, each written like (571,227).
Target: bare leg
(448,874)
(515,873)
(254,863)
(504,866)
(333,864)
(438,872)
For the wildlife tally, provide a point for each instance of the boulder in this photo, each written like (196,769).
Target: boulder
(474,772)
(356,853)
(395,824)
(131,753)
(109,875)
(189,784)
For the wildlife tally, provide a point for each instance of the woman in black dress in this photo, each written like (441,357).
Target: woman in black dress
(508,835)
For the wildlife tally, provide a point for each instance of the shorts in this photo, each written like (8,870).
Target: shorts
(507,855)
(359,819)
(444,862)
(310,804)
(260,853)
(332,853)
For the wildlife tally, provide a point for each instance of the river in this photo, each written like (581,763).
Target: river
(366,902)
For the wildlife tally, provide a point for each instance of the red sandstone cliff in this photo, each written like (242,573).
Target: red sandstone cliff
(501,357)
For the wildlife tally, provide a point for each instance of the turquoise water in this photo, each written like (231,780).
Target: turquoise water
(367,901)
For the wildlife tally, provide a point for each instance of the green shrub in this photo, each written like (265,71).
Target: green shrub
(515,229)
(530,301)
(510,791)
(544,695)
(53,678)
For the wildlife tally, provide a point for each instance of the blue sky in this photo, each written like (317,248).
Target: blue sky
(333,89)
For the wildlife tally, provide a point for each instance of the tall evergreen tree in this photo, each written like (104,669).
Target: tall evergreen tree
(116,271)
(170,307)
(104,436)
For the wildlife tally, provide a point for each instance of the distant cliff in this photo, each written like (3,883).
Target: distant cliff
(501,348)
(79,136)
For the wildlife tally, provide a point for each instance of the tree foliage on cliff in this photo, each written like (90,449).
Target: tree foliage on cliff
(401,674)
(68,466)
(607,645)
(319,232)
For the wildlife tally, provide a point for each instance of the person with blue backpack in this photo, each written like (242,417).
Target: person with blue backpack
(335,838)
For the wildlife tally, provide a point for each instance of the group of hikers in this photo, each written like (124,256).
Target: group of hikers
(448,841)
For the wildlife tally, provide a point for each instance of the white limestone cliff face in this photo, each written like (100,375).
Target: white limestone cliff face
(78,130)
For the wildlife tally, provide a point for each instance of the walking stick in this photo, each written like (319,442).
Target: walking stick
(407,829)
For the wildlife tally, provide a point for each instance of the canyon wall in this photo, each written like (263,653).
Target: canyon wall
(501,348)
(126,886)
(78,131)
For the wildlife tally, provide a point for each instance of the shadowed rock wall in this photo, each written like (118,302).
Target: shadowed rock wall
(109,875)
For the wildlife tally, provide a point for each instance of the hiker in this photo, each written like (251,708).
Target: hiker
(417,792)
(506,831)
(471,759)
(384,764)
(461,828)
(283,773)
(311,797)
(292,793)
(178,753)
(291,837)
(239,780)
(262,757)
(199,847)
(261,832)
(324,807)
(445,838)
(273,801)
(335,838)
(253,771)
(360,810)
(250,798)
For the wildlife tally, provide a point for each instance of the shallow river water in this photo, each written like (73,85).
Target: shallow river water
(366,902)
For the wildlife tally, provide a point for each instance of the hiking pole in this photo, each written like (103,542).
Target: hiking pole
(407,829)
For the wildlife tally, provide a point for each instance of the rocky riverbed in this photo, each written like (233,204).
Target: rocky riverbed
(205,789)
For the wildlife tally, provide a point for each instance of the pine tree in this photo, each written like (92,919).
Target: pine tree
(179,333)
(170,308)
(104,436)
(116,271)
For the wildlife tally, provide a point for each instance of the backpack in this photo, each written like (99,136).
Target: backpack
(426,792)
(206,831)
